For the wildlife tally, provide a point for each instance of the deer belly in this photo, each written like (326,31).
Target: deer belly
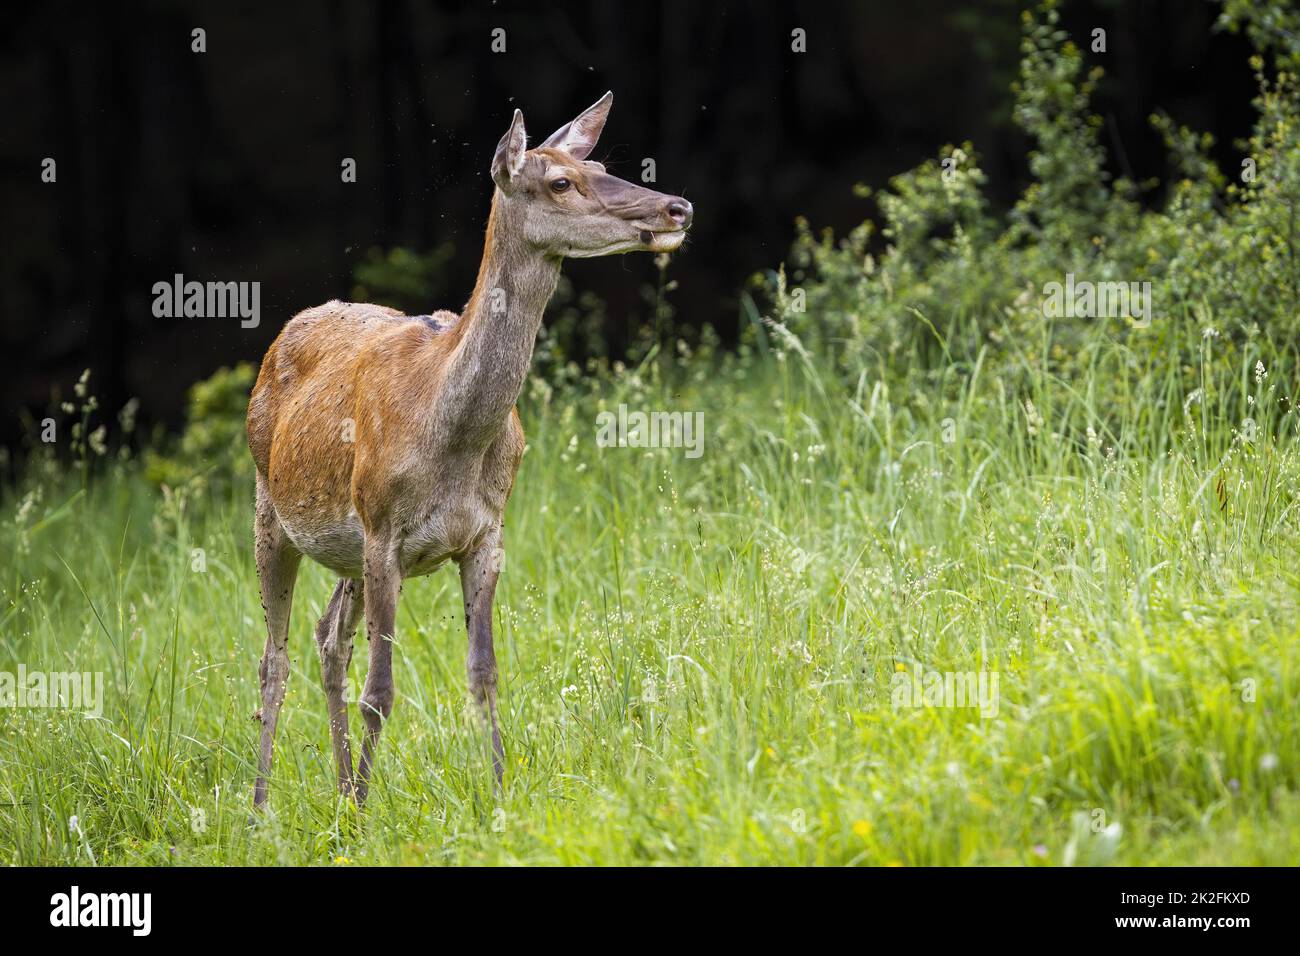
(337,545)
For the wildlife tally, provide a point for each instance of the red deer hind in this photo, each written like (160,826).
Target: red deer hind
(387,444)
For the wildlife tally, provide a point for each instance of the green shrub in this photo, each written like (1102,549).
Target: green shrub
(401,278)
(211,459)
(955,285)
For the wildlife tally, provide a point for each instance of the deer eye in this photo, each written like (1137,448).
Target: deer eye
(559,185)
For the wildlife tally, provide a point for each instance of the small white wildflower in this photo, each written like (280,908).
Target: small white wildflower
(128,414)
(1034,421)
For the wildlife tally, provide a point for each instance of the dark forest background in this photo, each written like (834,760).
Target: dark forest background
(225,165)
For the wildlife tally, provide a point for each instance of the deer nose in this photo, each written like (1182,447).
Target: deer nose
(680,211)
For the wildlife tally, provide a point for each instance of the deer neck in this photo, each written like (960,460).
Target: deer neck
(497,329)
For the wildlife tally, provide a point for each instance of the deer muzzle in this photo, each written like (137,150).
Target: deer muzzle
(657,215)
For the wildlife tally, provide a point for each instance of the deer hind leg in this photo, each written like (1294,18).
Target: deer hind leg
(277,570)
(334,634)
(478,583)
(383,581)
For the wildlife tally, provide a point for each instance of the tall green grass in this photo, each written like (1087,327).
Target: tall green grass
(697,655)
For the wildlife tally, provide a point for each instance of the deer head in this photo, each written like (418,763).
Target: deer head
(568,206)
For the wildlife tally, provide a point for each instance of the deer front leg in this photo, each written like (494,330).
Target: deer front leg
(383,581)
(478,583)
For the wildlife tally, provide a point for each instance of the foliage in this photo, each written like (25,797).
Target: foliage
(954,281)
(211,460)
(401,278)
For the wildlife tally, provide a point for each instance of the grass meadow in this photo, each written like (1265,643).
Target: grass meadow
(700,657)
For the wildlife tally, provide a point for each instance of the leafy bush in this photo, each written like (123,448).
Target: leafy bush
(211,458)
(401,278)
(956,284)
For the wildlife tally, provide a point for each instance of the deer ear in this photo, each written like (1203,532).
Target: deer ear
(578,138)
(509,158)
